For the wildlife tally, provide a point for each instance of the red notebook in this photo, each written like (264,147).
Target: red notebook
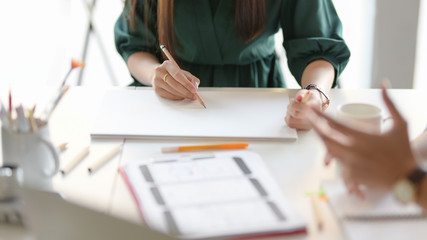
(209,195)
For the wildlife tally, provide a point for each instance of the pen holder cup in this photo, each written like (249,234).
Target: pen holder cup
(34,153)
(9,182)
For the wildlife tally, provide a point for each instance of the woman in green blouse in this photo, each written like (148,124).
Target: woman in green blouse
(224,43)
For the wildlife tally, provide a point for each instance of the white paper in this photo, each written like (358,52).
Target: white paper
(374,204)
(378,216)
(230,193)
(231,113)
(166,172)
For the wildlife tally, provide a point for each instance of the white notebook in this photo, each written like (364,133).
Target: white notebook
(207,195)
(231,113)
(378,216)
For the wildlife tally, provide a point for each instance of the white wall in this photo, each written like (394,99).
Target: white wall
(357,18)
(420,78)
(40,37)
(395,42)
(30,53)
(96,71)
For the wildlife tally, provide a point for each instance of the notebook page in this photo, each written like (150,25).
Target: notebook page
(380,216)
(222,194)
(375,204)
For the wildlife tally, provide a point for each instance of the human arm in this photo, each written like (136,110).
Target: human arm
(139,47)
(374,160)
(316,52)
(321,73)
(176,85)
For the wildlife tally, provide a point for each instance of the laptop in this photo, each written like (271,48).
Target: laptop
(49,217)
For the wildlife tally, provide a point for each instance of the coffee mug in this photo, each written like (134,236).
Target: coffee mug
(34,153)
(362,116)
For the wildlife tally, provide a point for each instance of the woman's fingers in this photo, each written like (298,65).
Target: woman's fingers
(192,78)
(168,95)
(179,81)
(161,86)
(172,83)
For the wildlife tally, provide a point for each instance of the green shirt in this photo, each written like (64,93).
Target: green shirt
(210,49)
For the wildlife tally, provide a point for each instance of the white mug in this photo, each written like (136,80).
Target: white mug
(361,116)
(34,154)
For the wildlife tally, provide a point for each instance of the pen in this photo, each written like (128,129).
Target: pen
(316,212)
(113,152)
(75,161)
(223,146)
(176,65)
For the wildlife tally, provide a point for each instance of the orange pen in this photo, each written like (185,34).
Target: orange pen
(224,146)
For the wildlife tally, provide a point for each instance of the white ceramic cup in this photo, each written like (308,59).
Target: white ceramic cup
(9,182)
(361,116)
(34,153)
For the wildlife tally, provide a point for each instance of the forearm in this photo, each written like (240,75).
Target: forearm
(319,72)
(141,65)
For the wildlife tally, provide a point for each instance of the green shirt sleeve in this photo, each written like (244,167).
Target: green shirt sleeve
(141,39)
(312,30)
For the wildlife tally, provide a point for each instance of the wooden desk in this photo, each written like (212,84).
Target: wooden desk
(297,166)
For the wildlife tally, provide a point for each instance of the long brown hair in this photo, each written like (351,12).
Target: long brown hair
(249,19)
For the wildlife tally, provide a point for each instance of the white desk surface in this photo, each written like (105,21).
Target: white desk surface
(297,166)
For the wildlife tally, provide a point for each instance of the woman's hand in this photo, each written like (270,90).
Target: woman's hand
(297,113)
(172,83)
(375,160)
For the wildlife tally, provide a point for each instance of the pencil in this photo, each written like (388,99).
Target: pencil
(75,161)
(31,120)
(305,97)
(9,116)
(223,146)
(105,159)
(10,104)
(316,212)
(169,56)
(63,146)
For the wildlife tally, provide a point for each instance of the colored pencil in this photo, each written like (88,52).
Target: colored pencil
(75,161)
(224,146)
(104,159)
